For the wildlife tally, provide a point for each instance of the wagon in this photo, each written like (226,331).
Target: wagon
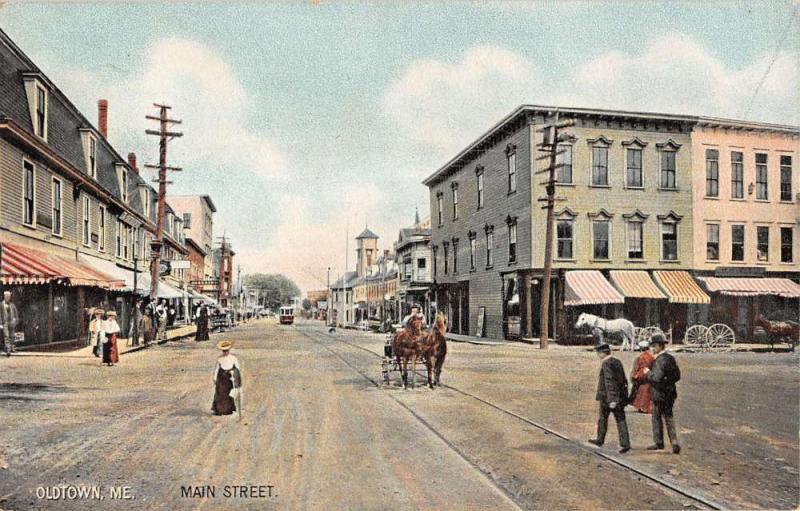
(718,335)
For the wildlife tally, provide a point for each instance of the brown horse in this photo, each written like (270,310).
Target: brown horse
(405,347)
(780,331)
(433,348)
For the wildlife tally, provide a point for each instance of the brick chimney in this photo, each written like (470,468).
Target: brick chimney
(132,162)
(102,117)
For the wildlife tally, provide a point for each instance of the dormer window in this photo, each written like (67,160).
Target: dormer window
(40,124)
(37,95)
(122,177)
(144,195)
(93,157)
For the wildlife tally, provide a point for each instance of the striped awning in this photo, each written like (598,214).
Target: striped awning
(680,287)
(752,286)
(589,287)
(635,284)
(23,265)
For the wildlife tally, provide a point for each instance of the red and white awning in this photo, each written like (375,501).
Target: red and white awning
(589,287)
(752,286)
(680,287)
(24,266)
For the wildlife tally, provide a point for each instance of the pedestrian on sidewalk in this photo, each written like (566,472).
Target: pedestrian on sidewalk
(227,376)
(161,316)
(136,323)
(612,394)
(663,377)
(202,323)
(97,331)
(641,398)
(110,349)
(8,323)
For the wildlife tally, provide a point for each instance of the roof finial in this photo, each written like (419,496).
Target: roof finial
(416,216)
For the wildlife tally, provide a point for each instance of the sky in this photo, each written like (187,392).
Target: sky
(305,122)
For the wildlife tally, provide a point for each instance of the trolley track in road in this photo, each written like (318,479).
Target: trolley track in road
(683,492)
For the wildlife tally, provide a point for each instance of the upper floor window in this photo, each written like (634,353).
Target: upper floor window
(564,238)
(41,112)
(187,220)
(440,208)
(87,220)
(479,177)
(712,173)
(786,178)
(511,154)
(669,241)
(786,244)
(635,239)
(633,167)
(599,166)
(512,240)
(118,244)
(446,255)
(473,250)
(564,164)
(56,199)
(712,242)
(93,157)
(737,175)
(101,229)
(29,193)
(122,175)
(762,243)
(737,243)
(489,245)
(601,230)
(435,254)
(668,171)
(454,186)
(455,257)
(762,192)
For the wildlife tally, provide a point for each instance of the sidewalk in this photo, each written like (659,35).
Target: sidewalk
(86,351)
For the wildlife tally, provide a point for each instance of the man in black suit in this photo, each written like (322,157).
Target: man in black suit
(663,377)
(612,393)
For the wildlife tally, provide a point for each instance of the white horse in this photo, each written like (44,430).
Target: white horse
(612,326)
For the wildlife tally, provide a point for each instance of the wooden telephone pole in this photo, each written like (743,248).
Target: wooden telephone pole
(165,136)
(549,146)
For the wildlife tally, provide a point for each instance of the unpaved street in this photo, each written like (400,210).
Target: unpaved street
(318,434)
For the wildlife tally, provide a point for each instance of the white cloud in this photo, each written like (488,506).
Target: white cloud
(308,243)
(205,94)
(444,106)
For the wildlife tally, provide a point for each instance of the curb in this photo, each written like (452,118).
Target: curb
(145,346)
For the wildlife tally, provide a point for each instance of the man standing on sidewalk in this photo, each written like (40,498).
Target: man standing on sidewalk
(612,394)
(663,377)
(8,322)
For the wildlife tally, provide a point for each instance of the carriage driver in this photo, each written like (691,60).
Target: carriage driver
(416,312)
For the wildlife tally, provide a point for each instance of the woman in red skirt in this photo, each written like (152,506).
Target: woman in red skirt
(110,350)
(640,392)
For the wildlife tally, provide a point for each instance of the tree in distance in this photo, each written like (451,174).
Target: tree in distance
(275,289)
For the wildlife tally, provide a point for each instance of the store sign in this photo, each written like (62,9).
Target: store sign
(180,264)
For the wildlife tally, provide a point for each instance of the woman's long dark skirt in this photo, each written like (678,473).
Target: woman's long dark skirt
(202,329)
(223,402)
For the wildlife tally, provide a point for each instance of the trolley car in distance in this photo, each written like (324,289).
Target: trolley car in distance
(286,315)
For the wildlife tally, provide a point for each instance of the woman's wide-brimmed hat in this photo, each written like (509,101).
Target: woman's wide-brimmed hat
(224,345)
(98,311)
(111,314)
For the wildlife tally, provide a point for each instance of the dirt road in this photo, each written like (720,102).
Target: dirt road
(317,433)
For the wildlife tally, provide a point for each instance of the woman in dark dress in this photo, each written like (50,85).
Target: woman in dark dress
(202,324)
(227,375)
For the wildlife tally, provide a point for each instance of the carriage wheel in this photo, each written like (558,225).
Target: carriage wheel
(648,332)
(695,335)
(720,335)
(637,334)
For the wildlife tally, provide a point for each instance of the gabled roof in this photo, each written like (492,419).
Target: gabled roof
(367,234)
(345,282)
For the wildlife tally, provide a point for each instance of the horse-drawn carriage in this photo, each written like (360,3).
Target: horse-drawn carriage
(716,336)
(414,345)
